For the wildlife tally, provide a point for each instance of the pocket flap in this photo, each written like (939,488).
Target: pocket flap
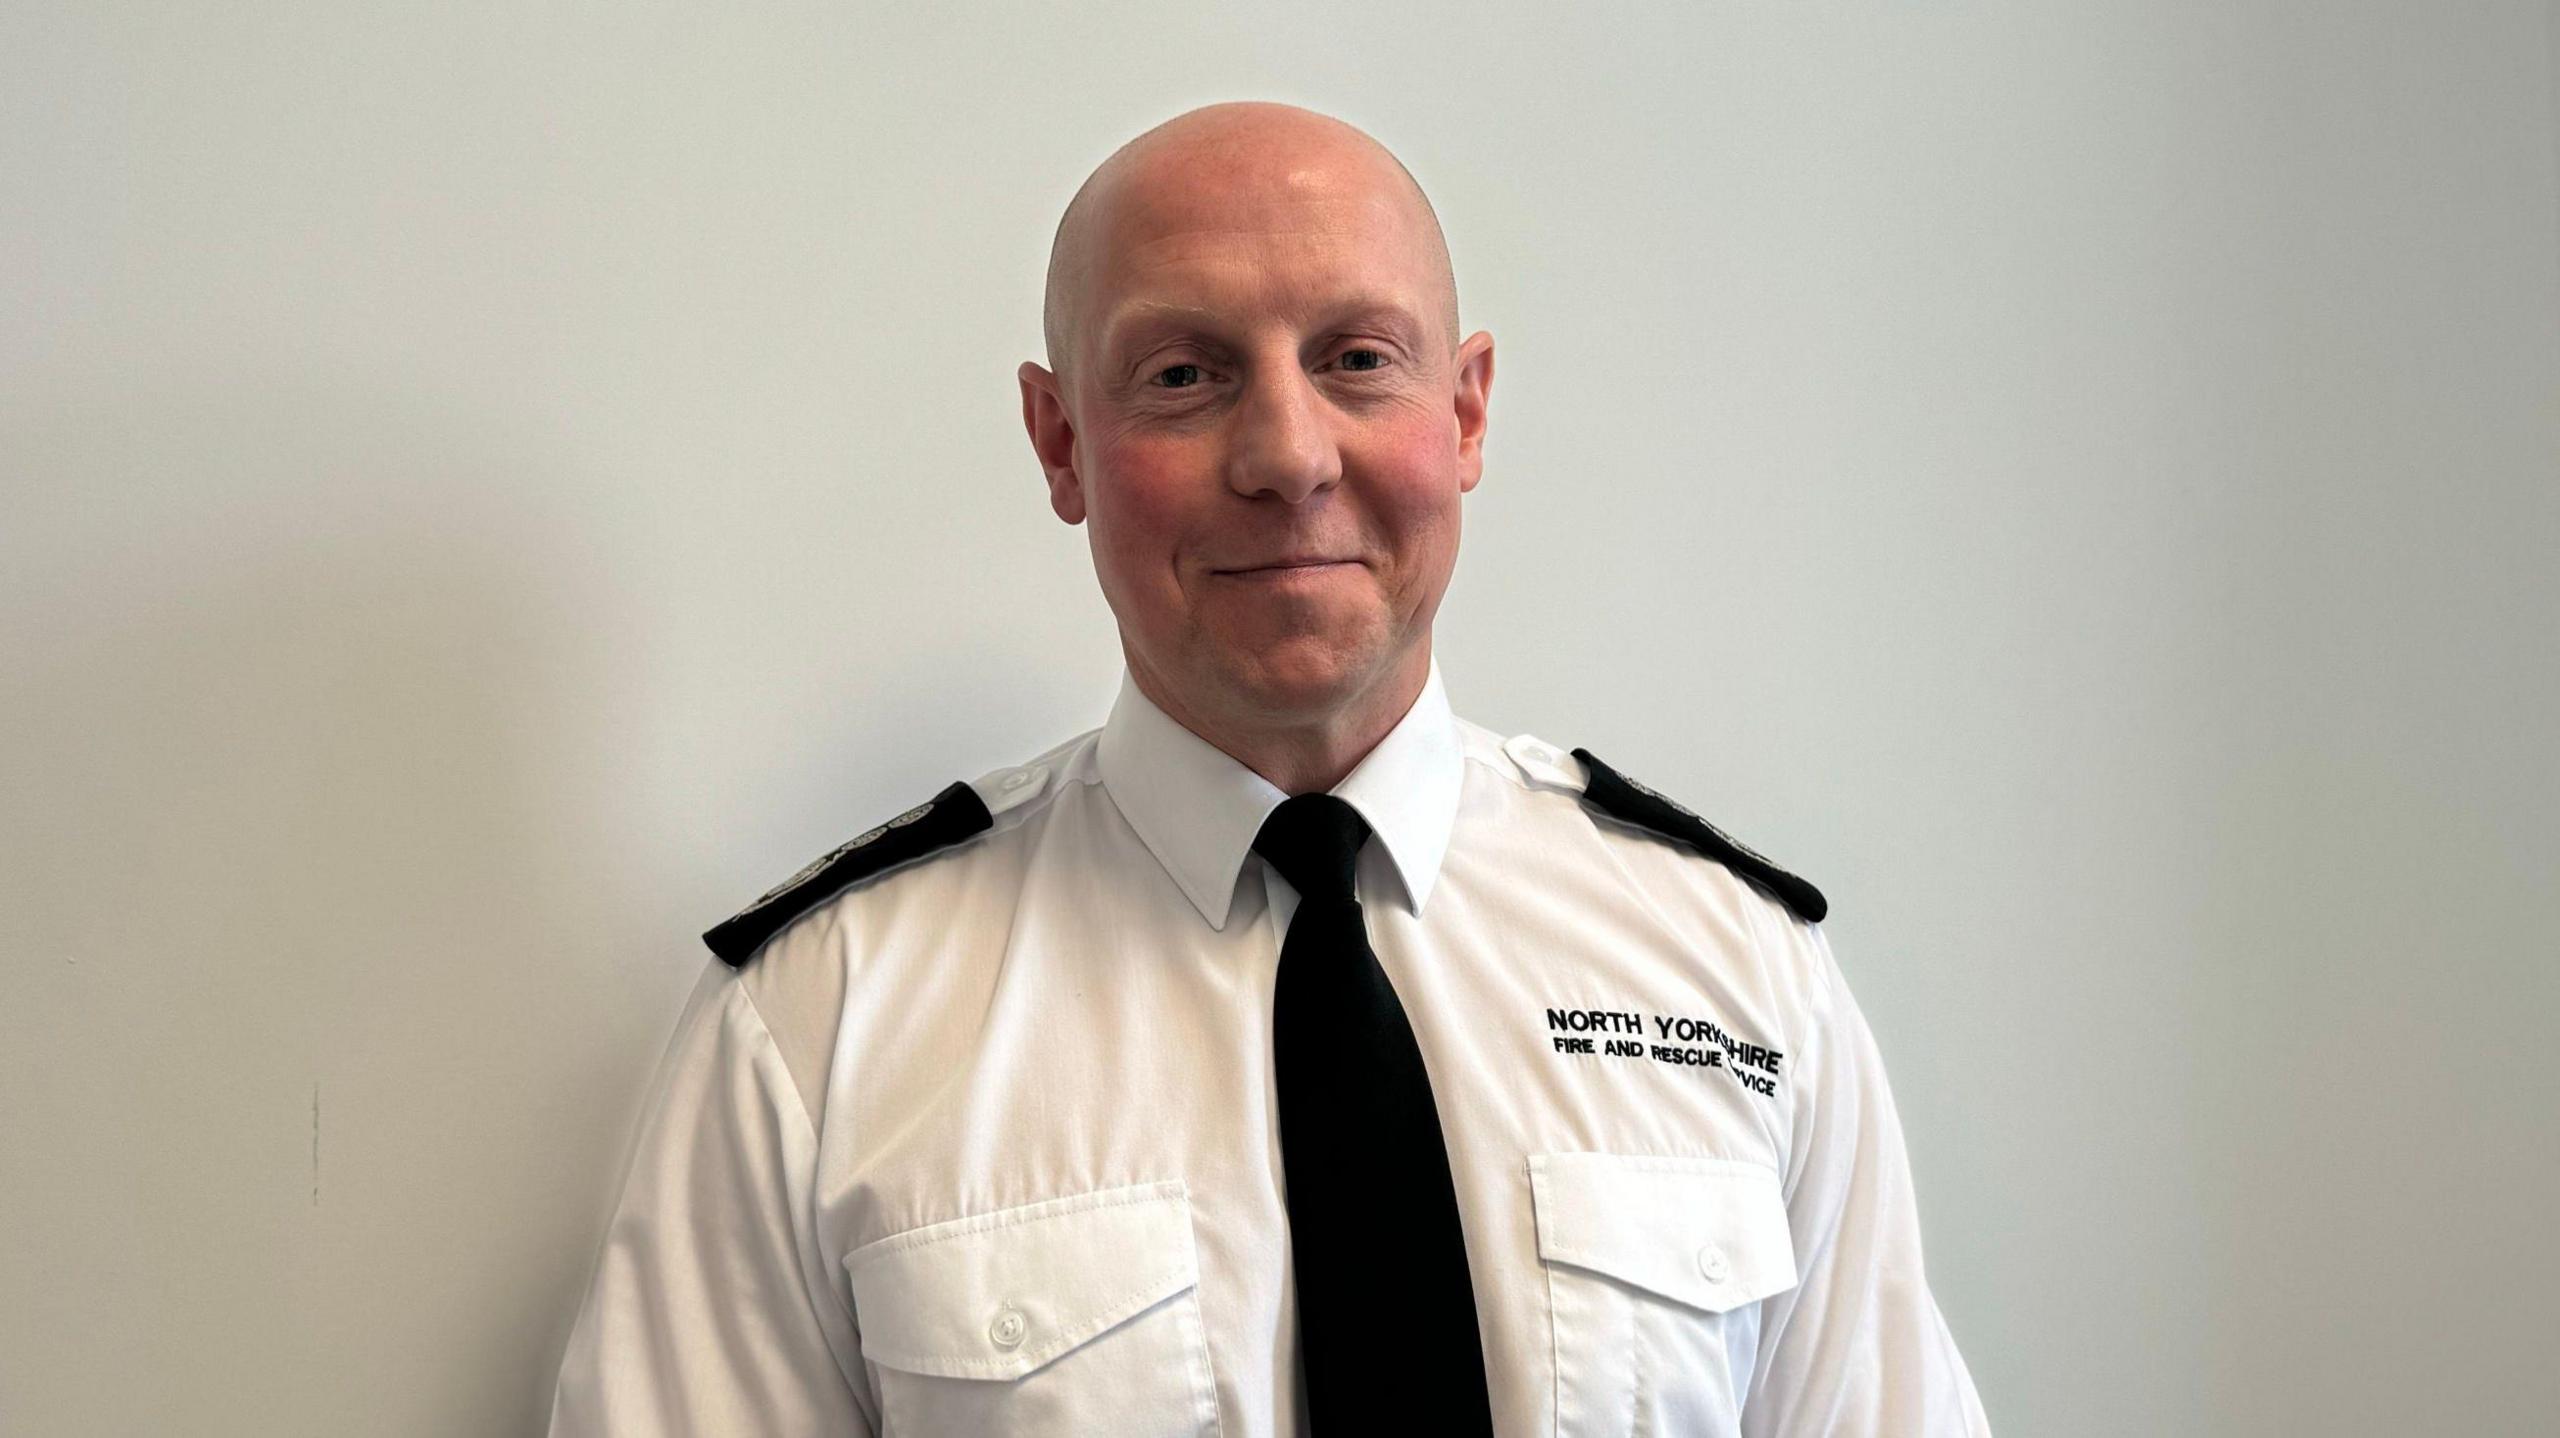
(997,1295)
(1711,1233)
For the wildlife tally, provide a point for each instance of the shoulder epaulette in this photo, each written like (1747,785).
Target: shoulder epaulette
(1625,799)
(940,822)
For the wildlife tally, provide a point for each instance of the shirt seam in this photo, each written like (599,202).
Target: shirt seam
(764,1037)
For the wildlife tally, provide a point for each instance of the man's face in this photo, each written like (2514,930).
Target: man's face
(1270,439)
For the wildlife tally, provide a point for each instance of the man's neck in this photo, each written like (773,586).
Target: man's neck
(1309,756)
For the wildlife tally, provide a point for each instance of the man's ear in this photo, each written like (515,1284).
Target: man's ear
(1474,394)
(1053,439)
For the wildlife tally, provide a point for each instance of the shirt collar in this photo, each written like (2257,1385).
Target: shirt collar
(1197,809)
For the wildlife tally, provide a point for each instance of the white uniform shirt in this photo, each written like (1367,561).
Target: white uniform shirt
(987,1145)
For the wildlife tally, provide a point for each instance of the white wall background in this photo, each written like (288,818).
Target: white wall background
(486,489)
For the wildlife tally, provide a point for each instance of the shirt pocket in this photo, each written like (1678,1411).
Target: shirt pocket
(1655,1269)
(1074,1315)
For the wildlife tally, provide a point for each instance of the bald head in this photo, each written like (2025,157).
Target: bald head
(1223,158)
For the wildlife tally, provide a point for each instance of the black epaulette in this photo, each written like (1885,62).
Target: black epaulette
(940,822)
(1625,799)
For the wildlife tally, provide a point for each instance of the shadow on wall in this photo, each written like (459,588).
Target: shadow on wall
(314,870)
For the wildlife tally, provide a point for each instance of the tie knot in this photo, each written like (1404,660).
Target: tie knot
(1314,841)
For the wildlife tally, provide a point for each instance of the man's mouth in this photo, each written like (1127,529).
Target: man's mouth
(1284,565)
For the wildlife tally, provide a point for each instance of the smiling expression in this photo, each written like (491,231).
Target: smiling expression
(1265,424)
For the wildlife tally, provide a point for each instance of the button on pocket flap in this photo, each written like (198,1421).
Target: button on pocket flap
(997,1295)
(1711,1233)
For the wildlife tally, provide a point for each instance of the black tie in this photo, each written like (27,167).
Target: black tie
(1386,1314)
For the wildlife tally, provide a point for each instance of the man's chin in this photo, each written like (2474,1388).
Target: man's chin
(1299,682)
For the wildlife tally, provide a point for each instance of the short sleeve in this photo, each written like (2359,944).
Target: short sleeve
(712,1308)
(1857,1348)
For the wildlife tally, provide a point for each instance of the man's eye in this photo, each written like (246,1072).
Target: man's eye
(1377,355)
(1190,372)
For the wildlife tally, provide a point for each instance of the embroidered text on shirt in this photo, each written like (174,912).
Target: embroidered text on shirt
(1674,1039)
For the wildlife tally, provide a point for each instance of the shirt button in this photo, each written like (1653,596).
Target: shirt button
(1008,1329)
(1714,1265)
(1017,779)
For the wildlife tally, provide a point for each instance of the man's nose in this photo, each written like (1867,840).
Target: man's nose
(1283,443)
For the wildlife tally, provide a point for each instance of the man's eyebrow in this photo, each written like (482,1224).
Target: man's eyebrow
(1141,316)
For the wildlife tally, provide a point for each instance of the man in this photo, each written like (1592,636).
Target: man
(1289,1055)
